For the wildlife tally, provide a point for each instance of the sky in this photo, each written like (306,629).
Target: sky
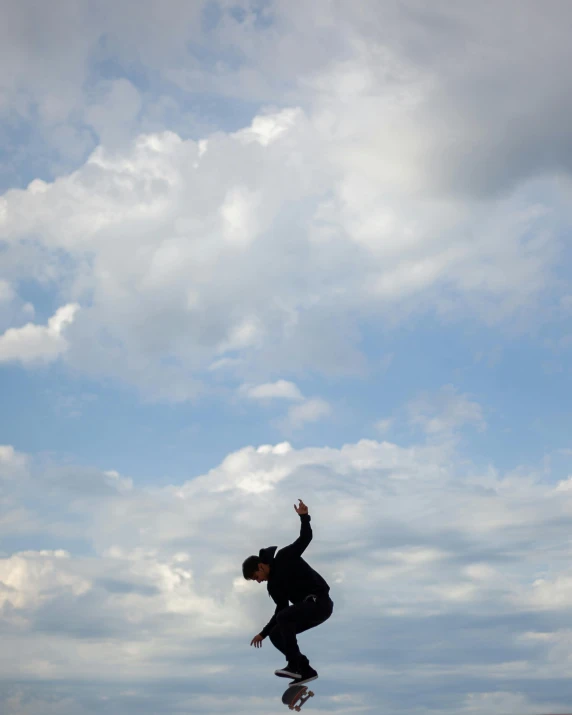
(264,250)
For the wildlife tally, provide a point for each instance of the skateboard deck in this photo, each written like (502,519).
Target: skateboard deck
(295,696)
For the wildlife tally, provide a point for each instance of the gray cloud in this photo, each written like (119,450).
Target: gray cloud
(494,112)
(433,572)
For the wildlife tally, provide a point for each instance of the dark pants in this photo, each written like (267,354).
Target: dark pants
(312,611)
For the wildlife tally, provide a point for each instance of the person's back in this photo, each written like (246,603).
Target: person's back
(293,577)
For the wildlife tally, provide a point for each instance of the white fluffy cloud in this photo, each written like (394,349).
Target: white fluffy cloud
(390,179)
(11,461)
(29,578)
(191,252)
(38,343)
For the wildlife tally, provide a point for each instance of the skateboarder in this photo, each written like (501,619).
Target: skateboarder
(290,578)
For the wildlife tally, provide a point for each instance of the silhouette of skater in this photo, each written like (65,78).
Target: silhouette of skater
(291,579)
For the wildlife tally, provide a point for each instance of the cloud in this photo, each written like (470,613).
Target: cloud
(239,211)
(415,542)
(281,389)
(306,410)
(30,578)
(194,294)
(114,115)
(449,84)
(445,411)
(238,191)
(268,246)
(6,292)
(384,425)
(12,308)
(310,410)
(38,343)
(11,461)
(59,103)
(500,702)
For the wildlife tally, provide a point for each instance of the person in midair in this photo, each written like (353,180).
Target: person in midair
(290,579)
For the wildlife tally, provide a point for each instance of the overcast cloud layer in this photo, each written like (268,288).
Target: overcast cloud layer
(258,251)
(440,573)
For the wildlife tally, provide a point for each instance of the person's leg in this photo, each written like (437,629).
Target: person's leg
(276,639)
(297,619)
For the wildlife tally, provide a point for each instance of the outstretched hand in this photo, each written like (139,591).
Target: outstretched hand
(301,508)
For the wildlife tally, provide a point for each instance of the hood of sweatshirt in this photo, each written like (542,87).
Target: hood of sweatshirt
(266,555)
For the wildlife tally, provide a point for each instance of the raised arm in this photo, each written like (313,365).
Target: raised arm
(299,546)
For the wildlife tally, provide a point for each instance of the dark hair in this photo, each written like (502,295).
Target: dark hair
(250,566)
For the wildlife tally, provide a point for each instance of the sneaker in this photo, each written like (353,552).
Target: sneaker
(308,673)
(290,671)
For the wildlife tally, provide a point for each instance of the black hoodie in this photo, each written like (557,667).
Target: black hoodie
(290,577)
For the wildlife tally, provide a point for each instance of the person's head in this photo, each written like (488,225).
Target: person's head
(254,570)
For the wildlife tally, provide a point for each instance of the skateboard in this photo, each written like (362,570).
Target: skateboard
(295,696)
